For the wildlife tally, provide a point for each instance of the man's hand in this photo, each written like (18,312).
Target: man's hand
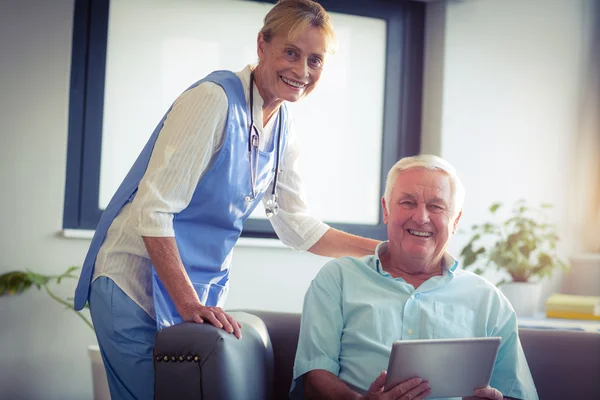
(196,312)
(485,393)
(412,389)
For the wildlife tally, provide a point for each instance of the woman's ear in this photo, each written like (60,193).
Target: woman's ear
(260,45)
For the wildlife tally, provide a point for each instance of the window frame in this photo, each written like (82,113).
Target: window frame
(401,120)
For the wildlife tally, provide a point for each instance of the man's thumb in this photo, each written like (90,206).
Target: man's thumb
(377,385)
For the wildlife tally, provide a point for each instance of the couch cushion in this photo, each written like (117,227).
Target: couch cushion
(564,364)
(284,329)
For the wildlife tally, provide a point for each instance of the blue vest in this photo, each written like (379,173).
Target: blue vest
(208,228)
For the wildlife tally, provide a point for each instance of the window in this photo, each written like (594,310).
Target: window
(132,58)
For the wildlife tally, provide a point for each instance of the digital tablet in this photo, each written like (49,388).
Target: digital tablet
(453,367)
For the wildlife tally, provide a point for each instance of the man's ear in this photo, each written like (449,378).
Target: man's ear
(385,212)
(455,224)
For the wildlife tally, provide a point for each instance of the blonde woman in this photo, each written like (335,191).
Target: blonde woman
(162,249)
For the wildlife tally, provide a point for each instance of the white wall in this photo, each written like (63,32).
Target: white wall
(510,91)
(42,347)
(507,79)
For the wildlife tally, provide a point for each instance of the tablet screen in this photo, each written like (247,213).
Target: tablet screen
(453,367)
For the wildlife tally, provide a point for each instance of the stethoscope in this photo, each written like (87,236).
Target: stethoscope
(271,206)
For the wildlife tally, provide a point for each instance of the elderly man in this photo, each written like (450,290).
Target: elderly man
(409,289)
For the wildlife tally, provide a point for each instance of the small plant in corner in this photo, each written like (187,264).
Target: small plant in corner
(16,282)
(523,244)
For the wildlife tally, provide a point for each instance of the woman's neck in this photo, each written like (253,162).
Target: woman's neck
(271,104)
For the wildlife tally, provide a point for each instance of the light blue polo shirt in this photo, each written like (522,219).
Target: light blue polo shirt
(354,310)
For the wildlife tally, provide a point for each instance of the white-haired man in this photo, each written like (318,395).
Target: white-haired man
(409,289)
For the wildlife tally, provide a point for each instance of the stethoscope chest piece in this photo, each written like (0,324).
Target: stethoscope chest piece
(272,207)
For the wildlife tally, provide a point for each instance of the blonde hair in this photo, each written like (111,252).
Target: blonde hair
(431,163)
(294,17)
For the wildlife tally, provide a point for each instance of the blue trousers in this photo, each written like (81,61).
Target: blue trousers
(126,336)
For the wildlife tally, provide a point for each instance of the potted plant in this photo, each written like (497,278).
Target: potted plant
(17,282)
(523,246)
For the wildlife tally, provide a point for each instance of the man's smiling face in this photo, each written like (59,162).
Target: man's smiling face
(420,218)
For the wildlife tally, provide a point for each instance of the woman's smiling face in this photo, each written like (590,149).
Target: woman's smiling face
(290,69)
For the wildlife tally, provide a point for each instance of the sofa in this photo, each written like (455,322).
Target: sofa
(199,361)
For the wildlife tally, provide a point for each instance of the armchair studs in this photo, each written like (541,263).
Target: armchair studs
(182,358)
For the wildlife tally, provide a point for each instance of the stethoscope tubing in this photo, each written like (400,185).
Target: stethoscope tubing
(253,142)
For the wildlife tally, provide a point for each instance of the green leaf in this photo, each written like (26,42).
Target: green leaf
(514,238)
(469,259)
(70,273)
(488,227)
(38,279)
(494,207)
(525,250)
(468,249)
(544,259)
(14,282)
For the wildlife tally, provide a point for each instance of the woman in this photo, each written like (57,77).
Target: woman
(162,249)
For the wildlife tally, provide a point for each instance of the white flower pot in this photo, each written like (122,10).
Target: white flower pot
(99,381)
(524,296)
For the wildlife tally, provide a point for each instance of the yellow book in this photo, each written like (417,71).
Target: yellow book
(571,315)
(574,303)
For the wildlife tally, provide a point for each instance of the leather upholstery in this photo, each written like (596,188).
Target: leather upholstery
(564,364)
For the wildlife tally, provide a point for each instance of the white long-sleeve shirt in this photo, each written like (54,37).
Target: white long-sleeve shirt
(188,143)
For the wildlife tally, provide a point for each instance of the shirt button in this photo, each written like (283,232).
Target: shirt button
(410,331)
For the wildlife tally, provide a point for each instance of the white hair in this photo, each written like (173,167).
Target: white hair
(431,163)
